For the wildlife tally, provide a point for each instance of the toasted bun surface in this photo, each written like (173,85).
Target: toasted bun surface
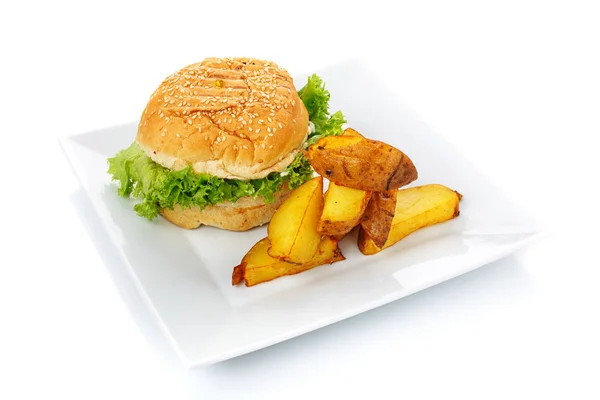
(245,214)
(236,118)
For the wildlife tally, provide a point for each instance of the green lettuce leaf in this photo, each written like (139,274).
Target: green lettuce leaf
(315,97)
(159,187)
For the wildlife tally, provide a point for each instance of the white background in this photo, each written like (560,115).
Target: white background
(515,85)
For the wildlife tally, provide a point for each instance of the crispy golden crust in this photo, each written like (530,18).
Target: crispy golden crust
(245,214)
(232,118)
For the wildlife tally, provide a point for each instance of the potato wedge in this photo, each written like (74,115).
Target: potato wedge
(342,210)
(257,266)
(293,229)
(416,208)
(360,163)
(352,132)
(378,216)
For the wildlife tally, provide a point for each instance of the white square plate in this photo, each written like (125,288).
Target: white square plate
(185,276)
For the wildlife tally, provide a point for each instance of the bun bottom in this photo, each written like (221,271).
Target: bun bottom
(242,215)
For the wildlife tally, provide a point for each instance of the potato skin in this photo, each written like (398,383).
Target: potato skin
(378,216)
(237,275)
(416,208)
(365,243)
(352,132)
(361,163)
(336,229)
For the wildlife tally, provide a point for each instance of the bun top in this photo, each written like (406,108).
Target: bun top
(237,118)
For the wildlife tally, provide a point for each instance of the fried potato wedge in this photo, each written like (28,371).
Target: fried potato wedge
(293,228)
(416,208)
(258,266)
(352,132)
(342,210)
(360,163)
(378,216)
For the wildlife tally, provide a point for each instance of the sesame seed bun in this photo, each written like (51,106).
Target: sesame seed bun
(235,118)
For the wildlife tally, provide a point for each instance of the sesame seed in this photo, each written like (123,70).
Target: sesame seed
(245,147)
(271,146)
(178,135)
(243,122)
(258,130)
(262,145)
(270,119)
(270,134)
(269,129)
(260,121)
(161,115)
(190,121)
(274,129)
(250,128)
(280,126)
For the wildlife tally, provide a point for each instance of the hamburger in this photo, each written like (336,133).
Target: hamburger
(220,143)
